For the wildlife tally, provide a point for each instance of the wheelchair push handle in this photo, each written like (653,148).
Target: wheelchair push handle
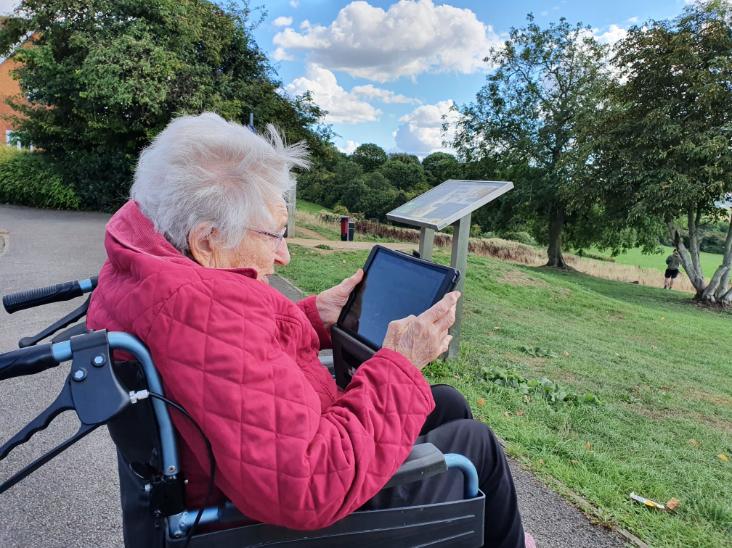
(45,295)
(27,361)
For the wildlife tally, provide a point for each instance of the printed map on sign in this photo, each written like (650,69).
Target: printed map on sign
(448,202)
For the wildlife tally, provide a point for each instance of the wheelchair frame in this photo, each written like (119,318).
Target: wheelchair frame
(455,523)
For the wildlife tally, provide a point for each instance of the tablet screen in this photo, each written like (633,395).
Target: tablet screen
(393,287)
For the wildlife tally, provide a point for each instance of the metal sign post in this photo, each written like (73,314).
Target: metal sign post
(450,203)
(291,200)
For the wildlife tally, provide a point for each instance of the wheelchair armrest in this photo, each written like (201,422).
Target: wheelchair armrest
(424,461)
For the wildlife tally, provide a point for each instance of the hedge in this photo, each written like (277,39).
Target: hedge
(30,179)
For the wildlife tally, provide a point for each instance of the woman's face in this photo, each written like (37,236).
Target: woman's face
(255,250)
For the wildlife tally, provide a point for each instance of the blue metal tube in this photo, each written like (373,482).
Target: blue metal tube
(462,463)
(179,524)
(86,285)
(123,341)
(61,351)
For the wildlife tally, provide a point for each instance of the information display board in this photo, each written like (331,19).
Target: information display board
(448,202)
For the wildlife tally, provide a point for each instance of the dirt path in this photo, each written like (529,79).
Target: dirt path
(337,245)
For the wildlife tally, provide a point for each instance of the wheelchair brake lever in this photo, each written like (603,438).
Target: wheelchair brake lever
(62,403)
(36,464)
(91,389)
(70,318)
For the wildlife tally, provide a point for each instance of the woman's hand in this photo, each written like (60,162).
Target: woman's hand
(421,339)
(330,302)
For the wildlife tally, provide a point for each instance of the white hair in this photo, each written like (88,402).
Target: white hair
(203,169)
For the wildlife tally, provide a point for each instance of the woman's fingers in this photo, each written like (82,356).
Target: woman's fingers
(441,307)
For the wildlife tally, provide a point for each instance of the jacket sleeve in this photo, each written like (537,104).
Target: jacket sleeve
(279,458)
(307,305)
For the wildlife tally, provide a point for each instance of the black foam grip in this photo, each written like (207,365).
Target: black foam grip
(42,295)
(26,361)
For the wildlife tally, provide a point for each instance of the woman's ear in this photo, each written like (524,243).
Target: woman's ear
(202,246)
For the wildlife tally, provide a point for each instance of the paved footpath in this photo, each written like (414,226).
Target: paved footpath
(73,500)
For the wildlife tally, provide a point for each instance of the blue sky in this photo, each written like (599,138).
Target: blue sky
(387,71)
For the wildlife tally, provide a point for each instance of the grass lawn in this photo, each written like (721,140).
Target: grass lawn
(309,207)
(659,366)
(710,261)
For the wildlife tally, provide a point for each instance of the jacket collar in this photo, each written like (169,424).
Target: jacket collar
(130,231)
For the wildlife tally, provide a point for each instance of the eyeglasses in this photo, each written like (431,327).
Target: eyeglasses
(276,237)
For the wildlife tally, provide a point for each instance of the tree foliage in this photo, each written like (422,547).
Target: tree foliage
(369,156)
(441,166)
(546,86)
(103,77)
(663,146)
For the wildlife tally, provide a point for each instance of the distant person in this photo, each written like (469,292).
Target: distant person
(672,269)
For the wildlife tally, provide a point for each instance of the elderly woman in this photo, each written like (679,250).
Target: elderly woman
(188,261)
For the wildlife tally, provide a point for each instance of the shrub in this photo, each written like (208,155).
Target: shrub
(29,178)
(519,236)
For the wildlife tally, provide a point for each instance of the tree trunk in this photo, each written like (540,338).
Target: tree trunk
(717,291)
(723,290)
(690,257)
(554,251)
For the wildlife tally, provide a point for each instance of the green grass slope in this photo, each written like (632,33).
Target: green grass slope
(710,261)
(601,387)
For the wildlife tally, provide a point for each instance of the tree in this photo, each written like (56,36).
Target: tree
(441,166)
(547,84)
(403,175)
(369,156)
(404,157)
(664,148)
(103,77)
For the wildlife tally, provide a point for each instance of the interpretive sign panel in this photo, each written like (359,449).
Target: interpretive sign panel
(448,202)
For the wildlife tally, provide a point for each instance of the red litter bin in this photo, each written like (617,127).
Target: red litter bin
(344,228)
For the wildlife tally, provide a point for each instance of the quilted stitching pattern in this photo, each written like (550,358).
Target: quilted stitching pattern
(243,361)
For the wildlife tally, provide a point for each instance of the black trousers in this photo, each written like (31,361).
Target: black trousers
(451,428)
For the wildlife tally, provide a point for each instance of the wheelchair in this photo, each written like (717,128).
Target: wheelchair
(128,397)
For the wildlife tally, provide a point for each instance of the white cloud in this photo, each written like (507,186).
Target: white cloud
(409,38)
(282,21)
(383,95)
(420,131)
(7,6)
(342,106)
(349,147)
(611,35)
(294,3)
(282,55)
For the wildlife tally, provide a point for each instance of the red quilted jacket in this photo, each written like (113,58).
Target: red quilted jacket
(242,359)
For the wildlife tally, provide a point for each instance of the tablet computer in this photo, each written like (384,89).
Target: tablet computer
(395,285)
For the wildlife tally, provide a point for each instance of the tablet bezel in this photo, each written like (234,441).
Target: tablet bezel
(450,279)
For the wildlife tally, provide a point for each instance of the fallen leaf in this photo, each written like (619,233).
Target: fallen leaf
(575,462)
(588,446)
(520,413)
(507,414)
(672,504)
(497,328)
(565,354)
(723,457)
(694,443)
(540,462)
(481,402)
